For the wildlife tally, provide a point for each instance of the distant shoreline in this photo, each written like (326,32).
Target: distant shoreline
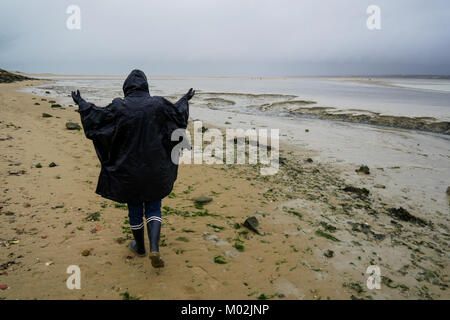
(331,76)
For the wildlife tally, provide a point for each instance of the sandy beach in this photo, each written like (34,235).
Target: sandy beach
(320,227)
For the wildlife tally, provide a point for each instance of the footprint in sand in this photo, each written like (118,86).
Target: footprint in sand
(189,290)
(211,281)
(287,288)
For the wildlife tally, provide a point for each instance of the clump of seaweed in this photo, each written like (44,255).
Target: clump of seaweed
(328,236)
(403,215)
(95,216)
(361,192)
(363,169)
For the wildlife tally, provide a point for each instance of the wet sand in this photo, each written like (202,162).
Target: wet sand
(317,236)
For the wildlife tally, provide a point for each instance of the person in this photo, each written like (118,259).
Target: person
(132,139)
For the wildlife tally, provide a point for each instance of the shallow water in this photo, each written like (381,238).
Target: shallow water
(422,84)
(412,165)
(334,93)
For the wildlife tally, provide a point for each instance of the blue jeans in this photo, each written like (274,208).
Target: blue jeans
(136,213)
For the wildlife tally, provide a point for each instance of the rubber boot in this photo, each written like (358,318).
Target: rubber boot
(138,245)
(154,230)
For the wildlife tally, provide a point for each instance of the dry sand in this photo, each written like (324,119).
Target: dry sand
(303,212)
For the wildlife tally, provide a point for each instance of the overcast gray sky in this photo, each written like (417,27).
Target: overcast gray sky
(226,37)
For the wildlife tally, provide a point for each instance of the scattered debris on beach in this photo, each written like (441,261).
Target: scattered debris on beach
(363,169)
(317,225)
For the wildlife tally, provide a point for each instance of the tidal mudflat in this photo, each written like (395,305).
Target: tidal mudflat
(308,232)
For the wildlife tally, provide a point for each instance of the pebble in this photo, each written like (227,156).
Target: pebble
(222,243)
(252,224)
(202,200)
(329,254)
(210,237)
(232,254)
(73,126)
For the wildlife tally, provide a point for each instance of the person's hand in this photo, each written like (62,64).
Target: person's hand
(190,94)
(76,96)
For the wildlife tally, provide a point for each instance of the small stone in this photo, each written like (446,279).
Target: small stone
(222,243)
(210,237)
(46,115)
(378,236)
(448,191)
(202,200)
(379,186)
(86,252)
(329,254)
(252,223)
(73,126)
(231,254)
(52,164)
(16,173)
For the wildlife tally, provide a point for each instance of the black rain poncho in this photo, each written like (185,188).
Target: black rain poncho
(132,138)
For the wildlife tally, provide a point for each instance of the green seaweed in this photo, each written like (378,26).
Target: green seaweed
(328,236)
(220,260)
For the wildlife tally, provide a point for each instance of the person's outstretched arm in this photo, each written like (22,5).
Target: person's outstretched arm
(179,112)
(93,118)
